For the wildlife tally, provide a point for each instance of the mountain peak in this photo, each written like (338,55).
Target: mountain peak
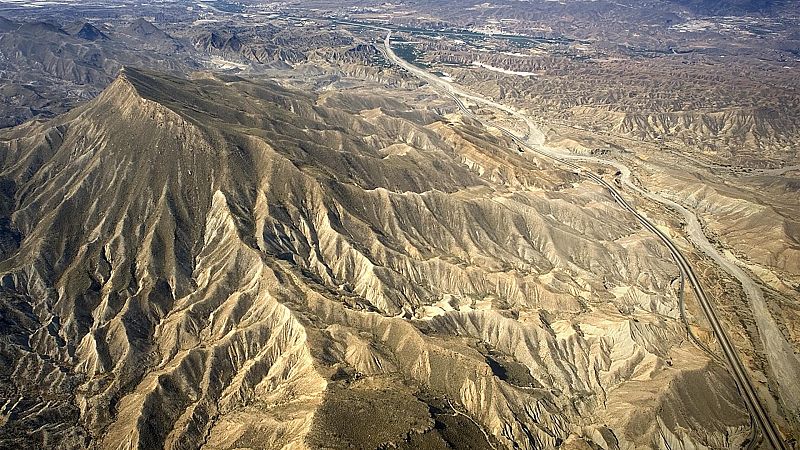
(125,80)
(154,37)
(132,89)
(143,27)
(155,86)
(149,85)
(90,32)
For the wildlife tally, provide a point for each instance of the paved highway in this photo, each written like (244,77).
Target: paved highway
(533,143)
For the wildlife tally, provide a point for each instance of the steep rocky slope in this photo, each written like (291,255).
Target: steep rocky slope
(224,263)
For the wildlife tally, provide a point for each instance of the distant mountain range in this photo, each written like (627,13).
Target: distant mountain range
(735,7)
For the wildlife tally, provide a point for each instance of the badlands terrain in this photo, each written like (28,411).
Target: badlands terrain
(426,224)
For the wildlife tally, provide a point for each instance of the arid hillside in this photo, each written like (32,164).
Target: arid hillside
(225,263)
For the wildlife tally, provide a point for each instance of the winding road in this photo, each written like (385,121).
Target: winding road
(534,143)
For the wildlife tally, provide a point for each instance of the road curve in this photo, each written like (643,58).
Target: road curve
(533,143)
